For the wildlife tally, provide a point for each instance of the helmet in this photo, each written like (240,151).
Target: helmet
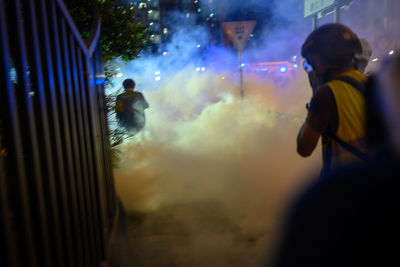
(335,44)
(363,58)
(366,50)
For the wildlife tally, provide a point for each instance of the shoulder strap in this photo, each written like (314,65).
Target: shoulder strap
(352,149)
(360,86)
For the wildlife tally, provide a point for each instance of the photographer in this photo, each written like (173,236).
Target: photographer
(350,218)
(336,110)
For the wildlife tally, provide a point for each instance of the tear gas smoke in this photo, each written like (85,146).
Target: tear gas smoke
(209,177)
(212,172)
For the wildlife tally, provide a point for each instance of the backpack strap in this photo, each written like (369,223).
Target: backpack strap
(350,148)
(360,86)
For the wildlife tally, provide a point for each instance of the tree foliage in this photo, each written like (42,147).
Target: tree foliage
(121,36)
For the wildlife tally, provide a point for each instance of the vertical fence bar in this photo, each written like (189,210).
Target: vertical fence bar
(105,152)
(52,123)
(83,74)
(89,52)
(101,109)
(8,253)
(66,138)
(98,178)
(12,154)
(83,147)
(60,186)
(45,141)
(31,143)
(8,256)
(75,180)
(82,151)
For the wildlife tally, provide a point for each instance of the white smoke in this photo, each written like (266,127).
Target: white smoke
(219,167)
(206,182)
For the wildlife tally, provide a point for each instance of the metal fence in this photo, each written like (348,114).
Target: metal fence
(57,199)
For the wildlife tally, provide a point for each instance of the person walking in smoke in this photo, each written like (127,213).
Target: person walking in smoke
(336,110)
(129,108)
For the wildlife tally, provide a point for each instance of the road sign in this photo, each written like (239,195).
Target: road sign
(239,32)
(312,7)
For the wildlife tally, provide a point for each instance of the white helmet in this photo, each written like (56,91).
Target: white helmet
(363,58)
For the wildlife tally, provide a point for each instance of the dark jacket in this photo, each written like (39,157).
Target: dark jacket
(129,108)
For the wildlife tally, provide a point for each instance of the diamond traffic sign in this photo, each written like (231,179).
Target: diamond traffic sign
(239,32)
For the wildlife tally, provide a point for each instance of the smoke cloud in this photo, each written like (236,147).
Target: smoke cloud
(211,172)
(208,180)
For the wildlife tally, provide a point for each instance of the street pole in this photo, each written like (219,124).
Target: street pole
(241,74)
(314,21)
(337,14)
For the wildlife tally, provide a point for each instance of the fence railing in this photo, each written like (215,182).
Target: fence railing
(57,199)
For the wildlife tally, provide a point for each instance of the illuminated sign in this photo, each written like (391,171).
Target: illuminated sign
(312,7)
(239,32)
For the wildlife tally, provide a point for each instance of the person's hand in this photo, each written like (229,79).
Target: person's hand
(315,81)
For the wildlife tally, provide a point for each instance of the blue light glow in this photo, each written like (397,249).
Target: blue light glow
(242,65)
(296,65)
(283,69)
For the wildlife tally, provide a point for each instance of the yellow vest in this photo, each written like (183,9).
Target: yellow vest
(350,105)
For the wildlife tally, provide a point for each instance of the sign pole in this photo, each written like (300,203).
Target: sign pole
(314,22)
(337,14)
(239,33)
(241,74)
